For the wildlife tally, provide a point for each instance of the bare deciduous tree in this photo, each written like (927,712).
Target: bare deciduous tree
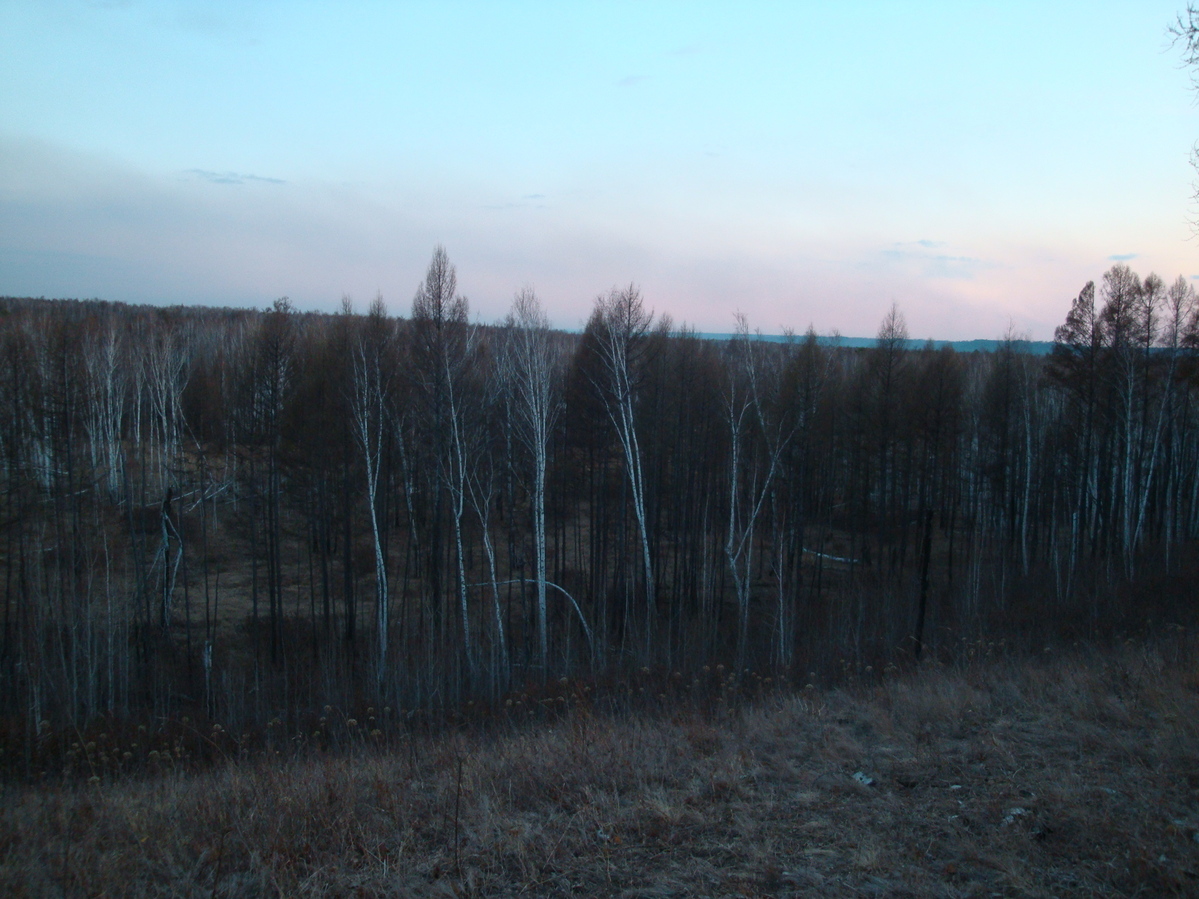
(532,367)
(369,404)
(753,465)
(622,324)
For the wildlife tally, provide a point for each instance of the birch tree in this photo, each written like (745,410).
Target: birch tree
(1180,318)
(621,324)
(752,470)
(369,405)
(531,366)
(1075,365)
(105,363)
(165,375)
(1122,291)
(460,397)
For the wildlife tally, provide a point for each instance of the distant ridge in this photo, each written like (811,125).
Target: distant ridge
(1032,347)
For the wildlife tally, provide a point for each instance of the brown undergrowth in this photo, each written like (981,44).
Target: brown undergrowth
(1073,774)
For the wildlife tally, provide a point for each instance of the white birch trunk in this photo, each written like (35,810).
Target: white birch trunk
(369,393)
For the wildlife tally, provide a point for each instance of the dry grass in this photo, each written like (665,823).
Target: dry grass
(1058,776)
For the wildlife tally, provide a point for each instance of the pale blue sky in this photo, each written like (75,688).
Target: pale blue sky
(975,163)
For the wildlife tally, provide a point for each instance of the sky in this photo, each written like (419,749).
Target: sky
(801,163)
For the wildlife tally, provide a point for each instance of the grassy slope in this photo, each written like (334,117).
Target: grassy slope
(1058,776)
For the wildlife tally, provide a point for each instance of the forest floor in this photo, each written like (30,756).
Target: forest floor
(1074,773)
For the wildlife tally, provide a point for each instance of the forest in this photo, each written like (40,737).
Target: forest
(245,516)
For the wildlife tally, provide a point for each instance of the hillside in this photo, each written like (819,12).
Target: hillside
(1067,774)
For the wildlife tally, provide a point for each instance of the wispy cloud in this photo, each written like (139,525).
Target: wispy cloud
(924,244)
(936,265)
(938,257)
(1123,257)
(231,177)
(632,80)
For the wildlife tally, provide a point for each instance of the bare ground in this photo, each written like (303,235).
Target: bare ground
(1071,774)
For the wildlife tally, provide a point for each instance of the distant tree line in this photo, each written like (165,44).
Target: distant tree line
(245,513)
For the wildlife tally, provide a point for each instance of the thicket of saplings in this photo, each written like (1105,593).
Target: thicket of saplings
(230,531)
